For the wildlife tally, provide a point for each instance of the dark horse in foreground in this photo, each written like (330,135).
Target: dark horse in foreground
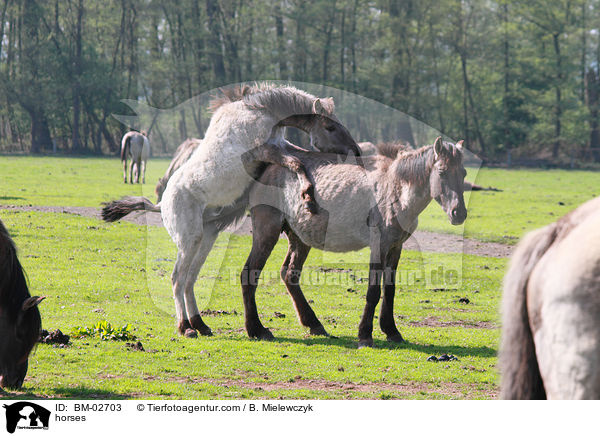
(375,206)
(20,321)
(551,311)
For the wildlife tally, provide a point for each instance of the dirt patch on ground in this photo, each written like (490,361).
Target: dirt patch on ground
(455,390)
(433,321)
(420,241)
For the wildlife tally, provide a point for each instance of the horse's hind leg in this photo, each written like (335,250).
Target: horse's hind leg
(143,171)
(386,317)
(208,239)
(182,216)
(137,170)
(290,274)
(125,171)
(279,155)
(266,226)
(131,171)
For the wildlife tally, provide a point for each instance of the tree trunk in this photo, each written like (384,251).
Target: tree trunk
(40,133)
(505,97)
(300,49)
(76,79)
(214,41)
(282,55)
(592,85)
(558,104)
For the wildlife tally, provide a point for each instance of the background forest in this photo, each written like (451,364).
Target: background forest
(503,75)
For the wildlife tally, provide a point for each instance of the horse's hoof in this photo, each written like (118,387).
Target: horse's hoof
(397,338)
(365,343)
(262,335)
(197,323)
(205,331)
(266,335)
(319,331)
(190,333)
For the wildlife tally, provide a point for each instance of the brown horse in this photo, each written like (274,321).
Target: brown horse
(551,311)
(20,321)
(376,206)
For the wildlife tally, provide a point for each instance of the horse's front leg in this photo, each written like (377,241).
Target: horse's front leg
(264,238)
(365,328)
(278,154)
(386,317)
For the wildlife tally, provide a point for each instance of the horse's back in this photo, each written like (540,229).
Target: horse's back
(344,195)
(563,298)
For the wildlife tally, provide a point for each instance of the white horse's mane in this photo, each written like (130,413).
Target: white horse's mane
(281,101)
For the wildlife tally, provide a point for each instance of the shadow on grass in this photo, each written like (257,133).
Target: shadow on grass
(64,393)
(12,198)
(351,342)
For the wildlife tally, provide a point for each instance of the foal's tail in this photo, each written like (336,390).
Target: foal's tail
(115,210)
(521,377)
(125,147)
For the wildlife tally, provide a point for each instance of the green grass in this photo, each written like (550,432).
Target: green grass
(529,199)
(91,271)
(70,181)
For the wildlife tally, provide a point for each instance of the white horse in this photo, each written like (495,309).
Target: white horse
(551,311)
(245,131)
(135,145)
(182,155)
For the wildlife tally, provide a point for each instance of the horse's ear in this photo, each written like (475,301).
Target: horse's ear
(31,302)
(459,145)
(323,106)
(437,147)
(317,107)
(328,105)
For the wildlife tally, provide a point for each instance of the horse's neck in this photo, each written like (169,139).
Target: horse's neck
(303,122)
(403,199)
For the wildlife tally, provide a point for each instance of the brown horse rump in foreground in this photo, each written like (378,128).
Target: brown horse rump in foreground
(20,321)
(376,205)
(551,311)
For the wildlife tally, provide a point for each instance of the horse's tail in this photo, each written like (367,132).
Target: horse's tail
(115,210)
(521,377)
(126,144)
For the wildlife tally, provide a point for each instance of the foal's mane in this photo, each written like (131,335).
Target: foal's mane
(281,101)
(391,149)
(13,284)
(415,165)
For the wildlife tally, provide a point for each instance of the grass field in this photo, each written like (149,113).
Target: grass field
(92,271)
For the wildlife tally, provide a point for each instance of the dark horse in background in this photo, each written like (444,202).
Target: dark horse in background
(20,320)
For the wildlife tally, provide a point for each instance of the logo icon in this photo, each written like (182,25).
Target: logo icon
(26,415)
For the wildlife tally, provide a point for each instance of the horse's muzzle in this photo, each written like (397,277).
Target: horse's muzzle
(457,216)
